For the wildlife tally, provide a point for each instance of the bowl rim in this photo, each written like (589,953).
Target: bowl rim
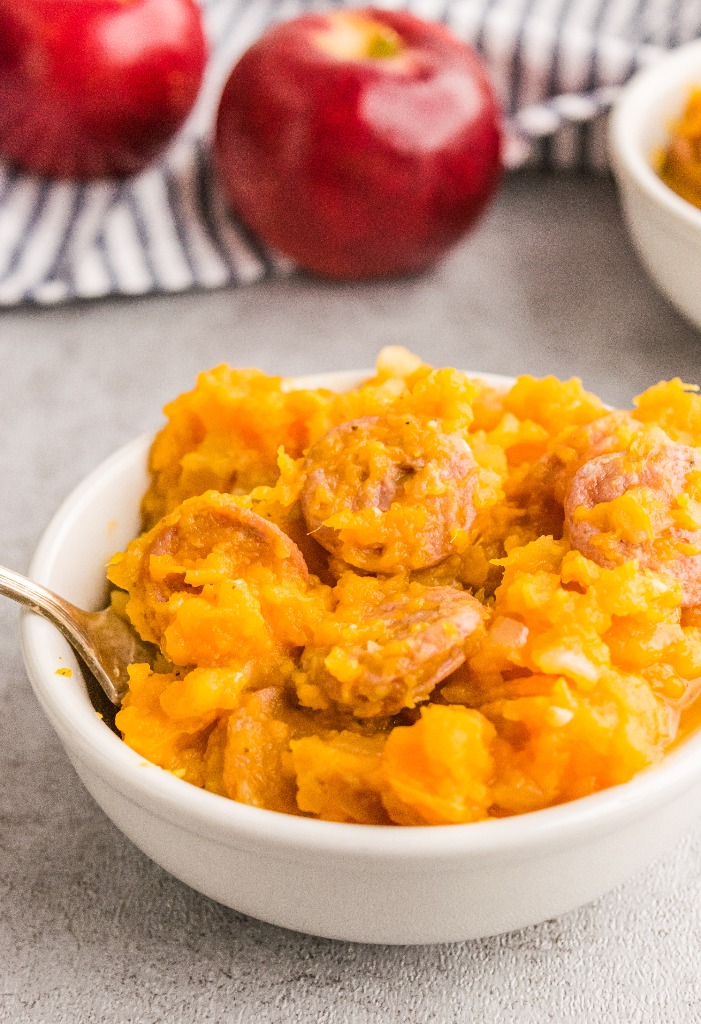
(661,78)
(89,739)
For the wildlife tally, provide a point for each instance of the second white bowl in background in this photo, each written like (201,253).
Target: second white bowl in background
(665,229)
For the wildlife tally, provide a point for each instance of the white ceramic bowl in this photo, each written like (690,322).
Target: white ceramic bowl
(357,882)
(665,228)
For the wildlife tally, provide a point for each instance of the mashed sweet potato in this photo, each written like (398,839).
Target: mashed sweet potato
(418,602)
(680,164)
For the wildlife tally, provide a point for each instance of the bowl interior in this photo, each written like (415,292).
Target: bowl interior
(663,100)
(642,120)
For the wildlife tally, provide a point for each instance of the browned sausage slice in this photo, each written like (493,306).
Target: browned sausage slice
(204,540)
(389,493)
(421,642)
(658,475)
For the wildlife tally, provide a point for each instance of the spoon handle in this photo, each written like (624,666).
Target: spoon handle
(41,600)
(73,623)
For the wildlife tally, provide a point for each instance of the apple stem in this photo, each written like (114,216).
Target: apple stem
(384,42)
(353,36)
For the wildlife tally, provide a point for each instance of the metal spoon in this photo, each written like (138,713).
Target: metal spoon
(105,642)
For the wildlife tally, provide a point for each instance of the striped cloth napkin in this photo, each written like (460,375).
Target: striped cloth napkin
(556,65)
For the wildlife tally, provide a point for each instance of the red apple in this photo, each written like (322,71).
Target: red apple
(96,87)
(360,143)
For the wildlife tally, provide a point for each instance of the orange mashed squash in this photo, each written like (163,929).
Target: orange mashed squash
(422,601)
(680,164)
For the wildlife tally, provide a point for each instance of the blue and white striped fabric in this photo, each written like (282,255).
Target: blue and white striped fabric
(556,65)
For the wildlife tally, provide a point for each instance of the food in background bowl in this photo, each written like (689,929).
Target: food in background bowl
(680,164)
(419,601)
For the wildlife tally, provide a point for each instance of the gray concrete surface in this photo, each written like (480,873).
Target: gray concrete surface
(90,930)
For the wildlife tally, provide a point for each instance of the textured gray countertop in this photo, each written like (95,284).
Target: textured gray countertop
(90,930)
